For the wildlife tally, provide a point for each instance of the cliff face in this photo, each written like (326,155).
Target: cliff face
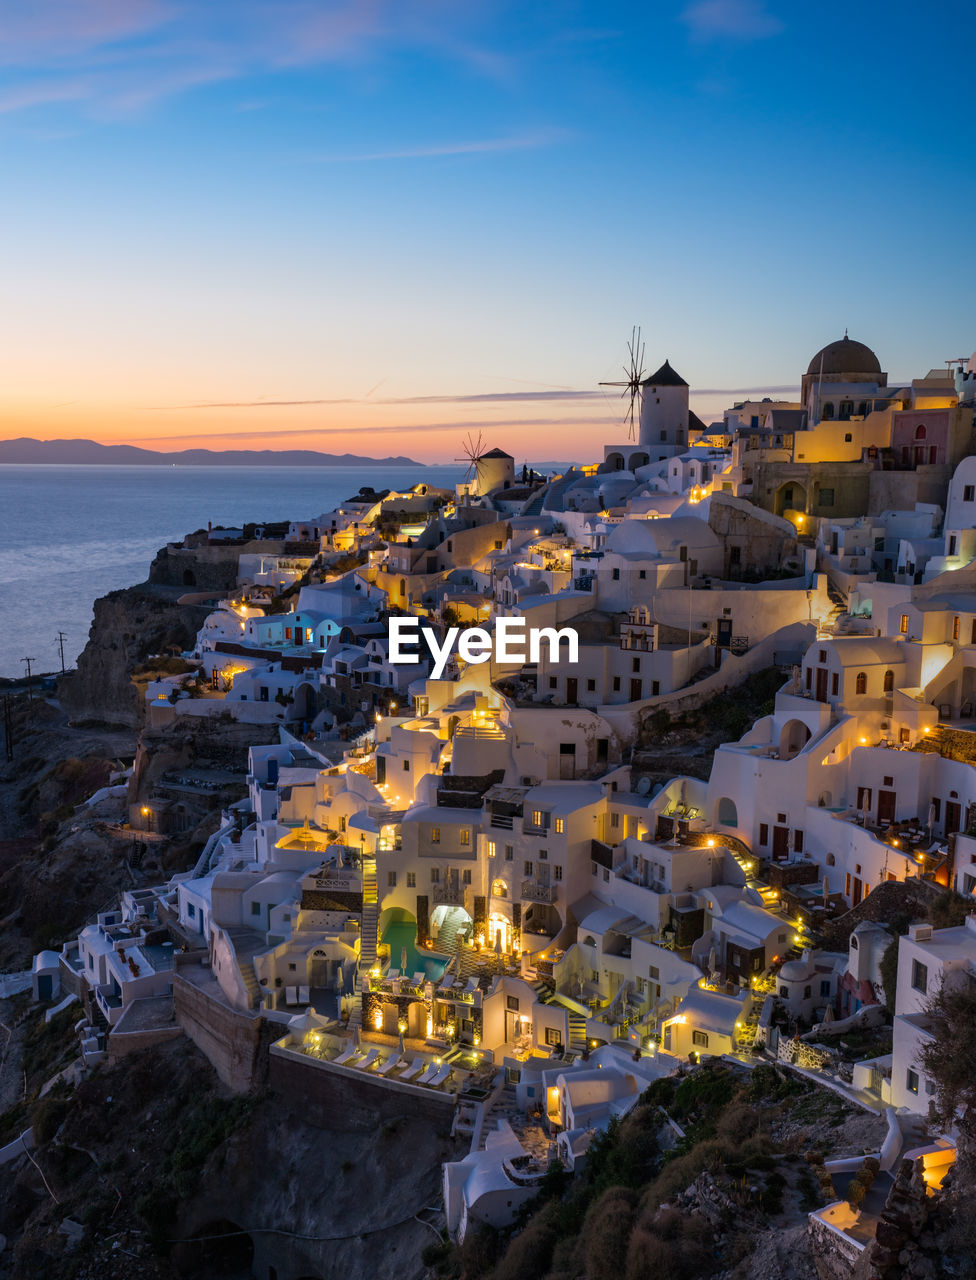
(128,626)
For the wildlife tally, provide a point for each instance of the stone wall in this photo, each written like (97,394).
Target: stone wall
(332,1098)
(834,1254)
(233,1042)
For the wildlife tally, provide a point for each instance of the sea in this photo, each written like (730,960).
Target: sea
(69,534)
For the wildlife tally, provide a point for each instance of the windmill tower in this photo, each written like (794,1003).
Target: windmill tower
(474,452)
(633,381)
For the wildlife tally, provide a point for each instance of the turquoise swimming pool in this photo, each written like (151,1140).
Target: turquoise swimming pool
(400,935)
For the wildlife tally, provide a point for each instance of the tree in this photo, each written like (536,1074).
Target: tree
(948,1058)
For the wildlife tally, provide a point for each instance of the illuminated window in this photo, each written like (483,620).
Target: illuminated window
(700,1038)
(491,848)
(560,826)
(955,627)
(903,625)
(465,837)
(435,835)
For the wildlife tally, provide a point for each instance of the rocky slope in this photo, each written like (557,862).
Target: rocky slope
(151,1153)
(128,626)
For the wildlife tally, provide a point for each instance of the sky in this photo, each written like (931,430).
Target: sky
(376,226)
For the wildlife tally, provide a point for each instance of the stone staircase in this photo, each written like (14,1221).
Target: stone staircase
(246,942)
(546,994)
(250,979)
(370,921)
(577,1031)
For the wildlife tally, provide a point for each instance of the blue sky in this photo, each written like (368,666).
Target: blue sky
(340,208)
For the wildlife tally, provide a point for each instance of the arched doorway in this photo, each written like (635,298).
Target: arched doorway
(450,922)
(726,814)
(791,496)
(793,738)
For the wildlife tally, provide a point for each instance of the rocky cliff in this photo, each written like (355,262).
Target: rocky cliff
(128,626)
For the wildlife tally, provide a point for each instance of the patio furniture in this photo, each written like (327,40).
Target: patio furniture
(365,1063)
(427,1075)
(392,1061)
(414,1069)
(351,1052)
(419,979)
(291,995)
(437,1080)
(304,996)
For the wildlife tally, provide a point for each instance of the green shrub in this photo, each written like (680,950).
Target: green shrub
(47,1116)
(648,1255)
(530,1253)
(605,1233)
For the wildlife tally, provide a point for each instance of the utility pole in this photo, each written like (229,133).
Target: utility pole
(8,729)
(61,640)
(30,694)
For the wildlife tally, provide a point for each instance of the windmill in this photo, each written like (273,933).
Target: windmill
(474,451)
(633,374)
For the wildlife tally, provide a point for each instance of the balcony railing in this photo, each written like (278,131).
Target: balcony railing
(533,892)
(448,895)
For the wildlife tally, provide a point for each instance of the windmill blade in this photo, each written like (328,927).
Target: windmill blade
(474,451)
(633,373)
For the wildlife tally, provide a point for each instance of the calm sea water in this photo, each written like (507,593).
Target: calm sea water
(71,534)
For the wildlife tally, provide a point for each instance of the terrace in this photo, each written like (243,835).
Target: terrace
(409,1064)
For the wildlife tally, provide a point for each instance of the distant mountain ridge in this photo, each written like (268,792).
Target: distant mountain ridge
(80,452)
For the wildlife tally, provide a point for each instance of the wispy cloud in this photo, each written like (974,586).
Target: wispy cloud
(516,142)
(412,428)
(60,30)
(492,397)
(553,396)
(122,54)
(730,20)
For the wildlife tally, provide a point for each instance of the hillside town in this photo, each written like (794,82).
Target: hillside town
(461,886)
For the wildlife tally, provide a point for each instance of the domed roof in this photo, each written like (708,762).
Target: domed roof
(664,377)
(845,356)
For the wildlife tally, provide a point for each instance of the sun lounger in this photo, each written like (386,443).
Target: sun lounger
(388,1065)
(426,1076)
(392,975)
(441,1076)
(419,979)
(351,1052)
(304,996)
(367,1062)
(291,995)
(471,987)
(415,1067)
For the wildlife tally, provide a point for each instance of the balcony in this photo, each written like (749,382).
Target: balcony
(533,892)
(448,895)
